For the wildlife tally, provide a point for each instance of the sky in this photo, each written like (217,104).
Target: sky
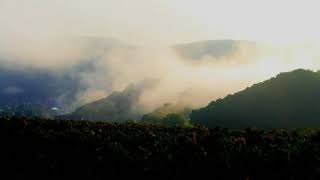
(149,22)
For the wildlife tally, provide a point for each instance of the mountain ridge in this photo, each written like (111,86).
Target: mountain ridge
(290,99)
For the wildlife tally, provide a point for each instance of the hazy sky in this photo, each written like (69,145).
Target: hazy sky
(162,21)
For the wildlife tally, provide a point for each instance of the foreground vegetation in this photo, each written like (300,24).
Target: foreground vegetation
(56,149)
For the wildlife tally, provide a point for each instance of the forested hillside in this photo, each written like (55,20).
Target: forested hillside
(289,100)
(117,107)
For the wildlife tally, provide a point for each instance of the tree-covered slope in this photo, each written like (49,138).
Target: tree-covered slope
(168,114)
(289,100)
(117,107)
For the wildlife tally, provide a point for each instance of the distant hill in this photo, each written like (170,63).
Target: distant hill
(289,100)
(117,107)
(29,110)
(209,48)
(36,90)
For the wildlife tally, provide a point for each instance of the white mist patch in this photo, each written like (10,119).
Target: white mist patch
(178,81)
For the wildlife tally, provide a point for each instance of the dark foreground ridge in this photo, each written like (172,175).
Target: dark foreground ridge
(53,149)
